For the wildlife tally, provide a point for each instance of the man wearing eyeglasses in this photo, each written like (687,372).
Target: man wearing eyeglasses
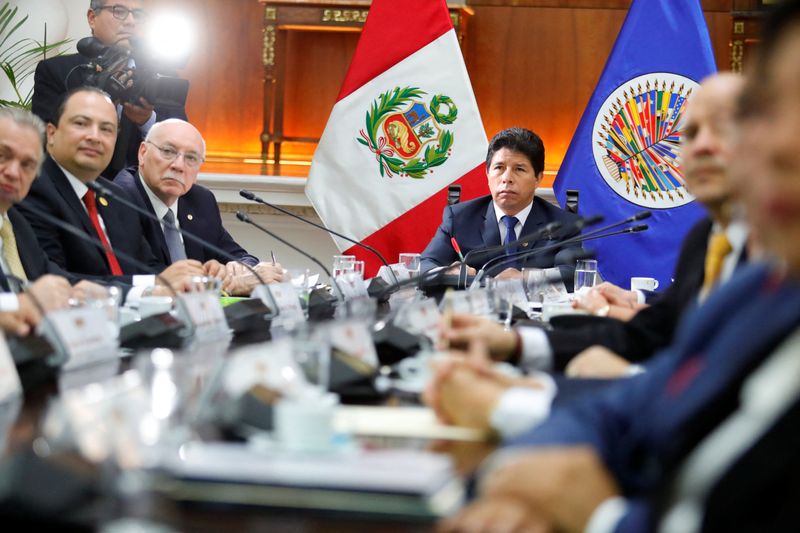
(79,144)
(112,22)
(165,184)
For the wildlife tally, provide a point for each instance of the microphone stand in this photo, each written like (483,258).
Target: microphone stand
(105,191)
(189,327)
(246,219)
(244,193)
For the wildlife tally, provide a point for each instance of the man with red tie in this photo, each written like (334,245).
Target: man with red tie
(80,144)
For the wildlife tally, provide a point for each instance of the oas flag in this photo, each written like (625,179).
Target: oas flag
(404,127)
(624,155)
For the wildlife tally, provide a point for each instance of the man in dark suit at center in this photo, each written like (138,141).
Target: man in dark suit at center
(514,168)
(166,185)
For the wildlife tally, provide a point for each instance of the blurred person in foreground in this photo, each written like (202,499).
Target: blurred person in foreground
(707,439)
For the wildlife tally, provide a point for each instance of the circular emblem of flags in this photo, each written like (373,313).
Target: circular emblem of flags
(636,139)
(407,134)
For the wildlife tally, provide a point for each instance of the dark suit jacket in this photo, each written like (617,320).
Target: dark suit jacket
(54,77)
(52,193)
(653,327)
(34,260)
(645,427)
(198,214)
(474,225)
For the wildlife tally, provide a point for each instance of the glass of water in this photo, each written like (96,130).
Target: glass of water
(411,262)
(343,264)
(585,275)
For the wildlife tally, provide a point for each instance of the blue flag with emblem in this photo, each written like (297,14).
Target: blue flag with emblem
(623,157)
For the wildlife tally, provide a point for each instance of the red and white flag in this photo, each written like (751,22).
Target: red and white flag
(404,127)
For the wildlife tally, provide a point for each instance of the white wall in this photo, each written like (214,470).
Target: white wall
(64,19)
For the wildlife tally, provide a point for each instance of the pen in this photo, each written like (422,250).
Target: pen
(273,257)
(457,248)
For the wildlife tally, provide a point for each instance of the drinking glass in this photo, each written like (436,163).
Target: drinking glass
(342,264)
(585,275)
(411,262)
(534,280)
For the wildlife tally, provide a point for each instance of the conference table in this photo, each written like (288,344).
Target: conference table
(123,495)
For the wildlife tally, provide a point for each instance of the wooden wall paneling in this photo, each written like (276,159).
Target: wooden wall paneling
(524,64)
(225,73)
(708,5)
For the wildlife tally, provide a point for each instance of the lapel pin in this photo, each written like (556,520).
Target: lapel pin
(103,202)
(524,244)
(190,217)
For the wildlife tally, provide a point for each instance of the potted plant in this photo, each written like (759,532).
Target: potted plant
(18,58)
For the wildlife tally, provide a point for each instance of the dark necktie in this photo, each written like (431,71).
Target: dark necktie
(91,208)
(173,238)
(511,235)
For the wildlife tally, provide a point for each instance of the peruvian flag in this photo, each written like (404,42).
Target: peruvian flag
(404,127)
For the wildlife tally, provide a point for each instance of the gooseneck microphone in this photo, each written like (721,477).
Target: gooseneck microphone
(248,195)
(246,219)
(105,191)
(597,234)
(548,231)
(189,326)
(579,238)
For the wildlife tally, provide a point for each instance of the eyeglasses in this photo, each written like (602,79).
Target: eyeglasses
(122,12)
(191,159)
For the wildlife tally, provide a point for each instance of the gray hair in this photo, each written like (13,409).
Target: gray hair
(158,125)
(96,4)
(25,119)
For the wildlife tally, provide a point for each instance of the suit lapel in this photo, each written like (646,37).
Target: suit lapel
(24,247)
(186,218)
(75,204)
(535,221)
(155,228)
(490,233)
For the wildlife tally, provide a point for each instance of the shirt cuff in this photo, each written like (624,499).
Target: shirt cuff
(641,297)
(144,280)
(144,128)
(536,351)
(9,302)
(140,284)
(520,409)
(608,514)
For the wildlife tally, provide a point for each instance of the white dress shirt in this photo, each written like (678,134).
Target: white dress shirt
(160,208)
(522,217)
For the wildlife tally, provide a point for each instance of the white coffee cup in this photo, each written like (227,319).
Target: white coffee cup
(154,305)
(644,284)
(305,424)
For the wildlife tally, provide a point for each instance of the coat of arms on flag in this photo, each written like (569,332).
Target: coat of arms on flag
(405,126)
(399,126)
(638,131)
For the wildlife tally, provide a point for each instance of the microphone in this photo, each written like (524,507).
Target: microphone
(546,231)
(598,233)
(246,219)
(154,329)
(244,193)
(105,191)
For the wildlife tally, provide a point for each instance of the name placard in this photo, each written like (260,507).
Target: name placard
(353,338)
(81,336)
(205,312)
(284,299)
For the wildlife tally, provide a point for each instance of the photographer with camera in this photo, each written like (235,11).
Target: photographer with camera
(112,60)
